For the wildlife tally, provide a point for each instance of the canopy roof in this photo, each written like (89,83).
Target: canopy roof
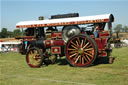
(67,21)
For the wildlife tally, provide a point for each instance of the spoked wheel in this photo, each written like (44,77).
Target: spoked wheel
(34,57)
(81,50)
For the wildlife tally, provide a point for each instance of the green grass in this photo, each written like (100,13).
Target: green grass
(15,71)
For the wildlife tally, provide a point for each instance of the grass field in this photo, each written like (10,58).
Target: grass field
(15,71)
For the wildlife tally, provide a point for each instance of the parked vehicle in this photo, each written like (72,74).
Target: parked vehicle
(82,40)
(116,41)
(9,46)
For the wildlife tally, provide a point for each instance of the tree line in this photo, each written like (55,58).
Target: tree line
(121,28)
(9,34)
(17,32)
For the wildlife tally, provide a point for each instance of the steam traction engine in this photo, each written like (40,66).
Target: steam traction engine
(82,40)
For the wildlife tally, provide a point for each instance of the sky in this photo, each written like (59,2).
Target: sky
(14,11)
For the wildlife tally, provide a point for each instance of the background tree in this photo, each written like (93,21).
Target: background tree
(118,28)
(10,34)
(16,32)
(0,34)
(4,33)
(125,28)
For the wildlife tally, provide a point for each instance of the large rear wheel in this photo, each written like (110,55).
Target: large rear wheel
(34,57)
(81,50)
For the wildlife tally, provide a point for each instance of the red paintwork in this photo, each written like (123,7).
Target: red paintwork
(47,43)
(56,35)
(29,38)
(99,43)
(102,53)
(58,43)
(82,32)
(106,20)
(102,42)
(56,50)
(104,34)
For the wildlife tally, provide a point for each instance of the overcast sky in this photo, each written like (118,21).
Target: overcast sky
(13,11)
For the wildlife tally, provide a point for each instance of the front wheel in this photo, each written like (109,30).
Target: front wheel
(34,57)
(81,50)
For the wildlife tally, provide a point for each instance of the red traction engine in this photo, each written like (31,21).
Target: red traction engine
(83,40)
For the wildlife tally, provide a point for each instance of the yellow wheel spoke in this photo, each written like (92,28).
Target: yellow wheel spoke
(72,55)
(71,49)
(82,60)
(73,52)
(31,53)
(77,59)
(33,61)
(74,47)
(76,56)
(86,45)
(31,56)
(85,58)
(77,43)
(35,52)
(88,57)
(89,46)
(78,40)
(30,60)
(38,56)
(38,61)
(82,43)
(74,44)
(88,54)
(88,49)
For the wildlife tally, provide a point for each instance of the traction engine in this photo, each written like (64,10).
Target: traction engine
(83,40)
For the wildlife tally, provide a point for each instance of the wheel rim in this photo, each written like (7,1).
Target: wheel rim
(34,58)
(80,51)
